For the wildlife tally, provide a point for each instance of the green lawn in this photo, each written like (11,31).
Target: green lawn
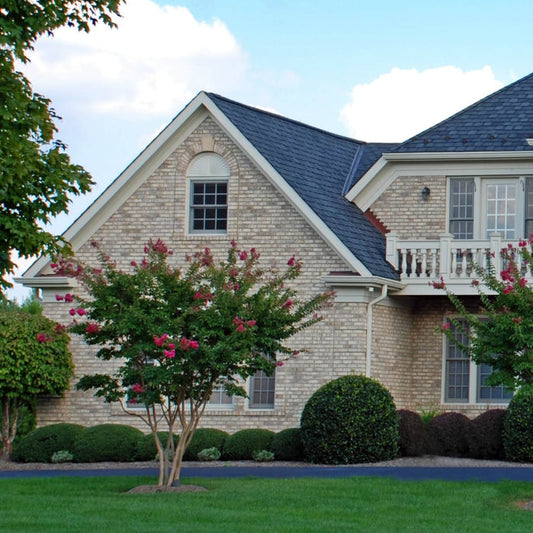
(251,505)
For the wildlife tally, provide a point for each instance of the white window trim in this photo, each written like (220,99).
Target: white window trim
(202,233)
(473,382)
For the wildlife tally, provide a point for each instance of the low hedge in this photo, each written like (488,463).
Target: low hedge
(107,442)
(413,438)
(287,445)
(39,445)
(518,427)
(146,450)
(205,438)
(485,439)
(243,444)
(448,434)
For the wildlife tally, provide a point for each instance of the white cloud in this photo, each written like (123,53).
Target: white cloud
(402,103)
(157,59)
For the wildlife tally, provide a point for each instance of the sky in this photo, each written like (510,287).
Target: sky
(375,71)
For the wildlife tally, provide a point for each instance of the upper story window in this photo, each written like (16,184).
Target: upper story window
(481,207)
(208,176)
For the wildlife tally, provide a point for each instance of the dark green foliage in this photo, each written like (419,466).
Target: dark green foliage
(413,440)
(244,443)
(518,427)
(485,440)
(106,442)
(448,434)
(349,420)
(287,445)
(39,445)
(146,449)
(205,438)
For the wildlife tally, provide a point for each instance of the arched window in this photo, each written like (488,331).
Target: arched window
(208,175)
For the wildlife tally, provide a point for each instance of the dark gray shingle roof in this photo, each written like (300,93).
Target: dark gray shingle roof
(316,164)
(500,122)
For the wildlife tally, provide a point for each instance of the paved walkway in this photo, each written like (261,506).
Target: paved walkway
(406,473)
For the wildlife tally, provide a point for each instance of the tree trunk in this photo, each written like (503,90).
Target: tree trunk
(9,427)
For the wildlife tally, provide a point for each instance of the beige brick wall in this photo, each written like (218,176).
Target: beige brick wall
(401,207)
(258,216)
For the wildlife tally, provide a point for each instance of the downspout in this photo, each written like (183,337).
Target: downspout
(369,320)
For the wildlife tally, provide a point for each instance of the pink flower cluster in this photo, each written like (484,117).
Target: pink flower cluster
(242,324)
(137,388)
(41,337)
(287,304)
(80,311)
(170,347)
(438,284)
(69,298)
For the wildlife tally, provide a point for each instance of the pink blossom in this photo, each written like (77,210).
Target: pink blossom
(517,320)
(523,282)
(287,304)
(506,275)
(233,273)
(59,298)
(69,298)
(250,323)
(41,337)
(445,326)
(295,352)
(184,344)
(169,354)
(146,249)
(240,327)
(72,312)
(233,243)
(475,282)
(133,263)
(138,388)
(522,244)
(508,290)
(279,363)
(510,246)
(92,328)
(243,255)
(292,261)
(193,344)
(236,287)
(160,341)
(171,345)
(237,321)
(60,328)
(54,265)
(198,295)
(439,284)
(81,311)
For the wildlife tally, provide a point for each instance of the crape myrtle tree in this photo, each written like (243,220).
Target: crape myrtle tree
(37,178)
(176,335)
(34,360)
(501,334)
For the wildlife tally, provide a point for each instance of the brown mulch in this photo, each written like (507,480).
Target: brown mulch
(153,489)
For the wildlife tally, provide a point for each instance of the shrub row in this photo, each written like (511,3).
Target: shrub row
(115,442)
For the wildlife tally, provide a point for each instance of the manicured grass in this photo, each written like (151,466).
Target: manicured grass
(352,504)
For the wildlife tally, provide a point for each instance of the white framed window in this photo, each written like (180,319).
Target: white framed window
(463,380)
(482,206)
(208,177)
(220,398)
(262,389)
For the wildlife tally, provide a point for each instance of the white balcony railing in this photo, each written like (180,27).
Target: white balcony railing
(420,261)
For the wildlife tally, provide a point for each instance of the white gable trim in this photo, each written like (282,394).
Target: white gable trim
(392,165)
(156,153)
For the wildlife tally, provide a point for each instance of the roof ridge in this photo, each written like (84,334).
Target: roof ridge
(286,119)
(462,111)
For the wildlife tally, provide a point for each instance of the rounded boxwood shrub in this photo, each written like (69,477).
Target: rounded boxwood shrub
(448,434)
(205,438)
(287,445)
(39,445)
(350,420)
(485,440)
(413,441)
(518,427)
(146,450)
(244,443)
(106,442)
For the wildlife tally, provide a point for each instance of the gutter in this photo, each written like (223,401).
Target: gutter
(369,320)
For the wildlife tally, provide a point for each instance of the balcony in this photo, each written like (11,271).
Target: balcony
(420,262)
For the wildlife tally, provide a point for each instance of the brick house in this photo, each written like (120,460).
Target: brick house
(375,222)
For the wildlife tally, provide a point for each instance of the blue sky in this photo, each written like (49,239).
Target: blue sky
(378,71)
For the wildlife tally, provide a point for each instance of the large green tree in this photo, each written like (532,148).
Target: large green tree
(37,179)
(500,332)
(34,360)
(176,335)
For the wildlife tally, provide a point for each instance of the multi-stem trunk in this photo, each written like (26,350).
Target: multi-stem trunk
(9,427)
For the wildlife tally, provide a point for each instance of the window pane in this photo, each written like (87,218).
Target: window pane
(457,373)
(262,390)
(209,206)
(501,209)
(486,393)
(462,208)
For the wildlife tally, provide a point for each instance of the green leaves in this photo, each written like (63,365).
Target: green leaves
(37,179)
